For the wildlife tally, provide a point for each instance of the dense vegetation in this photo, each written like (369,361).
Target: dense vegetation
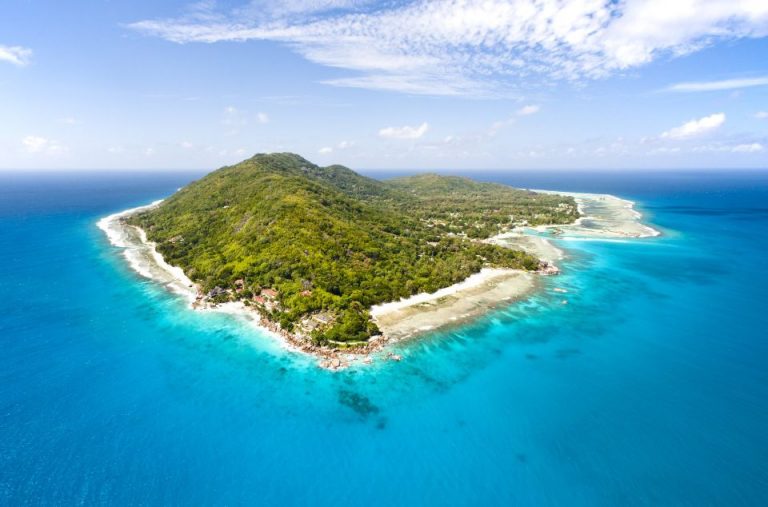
(332,242)
(459,205)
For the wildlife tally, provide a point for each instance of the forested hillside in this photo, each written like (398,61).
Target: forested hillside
(313,248)
(454,204)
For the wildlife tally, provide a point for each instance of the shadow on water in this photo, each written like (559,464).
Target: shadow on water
(362,406)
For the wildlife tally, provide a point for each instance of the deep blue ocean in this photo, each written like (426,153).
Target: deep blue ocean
(650,387)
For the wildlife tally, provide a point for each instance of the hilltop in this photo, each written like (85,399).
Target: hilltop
(313,248)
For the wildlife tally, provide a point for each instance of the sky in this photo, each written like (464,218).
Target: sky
(592,84)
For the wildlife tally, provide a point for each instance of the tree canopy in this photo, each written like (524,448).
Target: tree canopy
(331,241)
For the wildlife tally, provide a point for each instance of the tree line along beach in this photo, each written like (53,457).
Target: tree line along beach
(601,216)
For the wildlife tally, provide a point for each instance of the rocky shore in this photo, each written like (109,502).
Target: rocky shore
(328,357)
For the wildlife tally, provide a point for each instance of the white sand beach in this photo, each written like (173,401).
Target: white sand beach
(452,305)
(605,217)
(143,257)
(539,246)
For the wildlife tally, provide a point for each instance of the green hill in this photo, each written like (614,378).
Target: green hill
(330,243)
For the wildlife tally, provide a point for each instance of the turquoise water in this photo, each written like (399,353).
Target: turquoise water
(650,387)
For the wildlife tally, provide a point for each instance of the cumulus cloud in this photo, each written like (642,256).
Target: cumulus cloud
(341,145)
(695,128)
(528,110)
(404,132)
(38,144)
(262,117)
(448,47)
(16,55)
(761,115)
(726,84)
(35,144)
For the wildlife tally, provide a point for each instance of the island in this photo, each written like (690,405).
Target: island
(337,263)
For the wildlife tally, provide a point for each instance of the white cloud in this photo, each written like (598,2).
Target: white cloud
(186,145)
(695,128)
(498,125)
(448,47)
(523,111)
(35,144)
(16,55)
(528,110)
(282,9)
(748,148)
(262,117)
(38,144)
(726,84)
(69,121)
(342,145)
(729,147)
(404,132)
(148,152)
(761,115)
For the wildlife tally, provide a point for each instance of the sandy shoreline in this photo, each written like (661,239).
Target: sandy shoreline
(144,259)
(605,217)
(141,254)
(539,246)
(452,305)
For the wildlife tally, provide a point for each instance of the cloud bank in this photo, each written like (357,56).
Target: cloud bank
(695,128)
(473,47)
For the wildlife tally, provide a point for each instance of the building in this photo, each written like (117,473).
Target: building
(269,294)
